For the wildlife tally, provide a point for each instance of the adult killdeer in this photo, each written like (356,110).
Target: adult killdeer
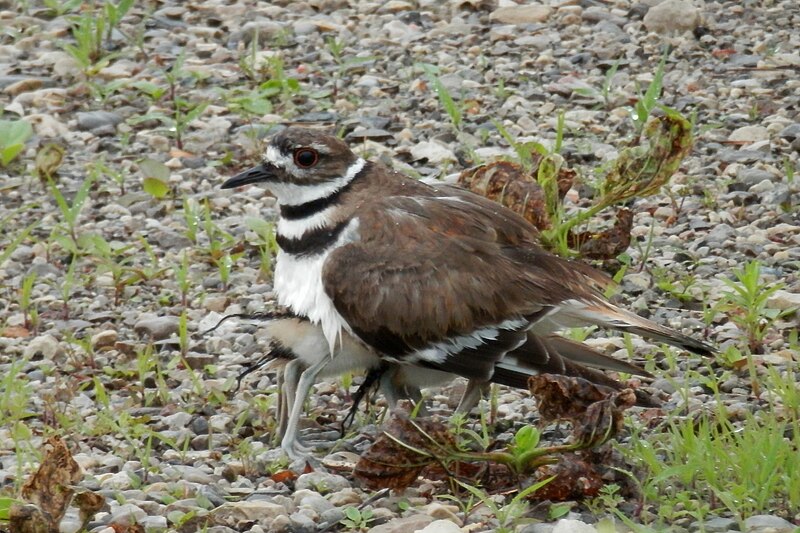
(423,275)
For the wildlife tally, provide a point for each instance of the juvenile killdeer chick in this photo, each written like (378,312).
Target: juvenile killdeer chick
(429,276)
(297,344)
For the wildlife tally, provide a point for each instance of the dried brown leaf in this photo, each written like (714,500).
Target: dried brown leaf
(27,518)
(603,419)
(574,478)
(509,184)
(89,504)
(595,410)
(397,457)
(50,487)
(605,244)
(562,397)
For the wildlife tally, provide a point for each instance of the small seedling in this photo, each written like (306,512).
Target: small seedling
(453,110)
(267,246)
(183,111)
(344,62)
(88,31)
(67,285)
(182,277)
(71,212)
(357,520)
(61,7)
(649,101)
(29,313)
(114,14)
(113,260)
(508,516)
(98,168)
(746,304)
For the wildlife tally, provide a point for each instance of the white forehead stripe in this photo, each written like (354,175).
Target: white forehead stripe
(275,157)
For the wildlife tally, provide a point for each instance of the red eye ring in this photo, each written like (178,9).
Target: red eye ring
(305,157)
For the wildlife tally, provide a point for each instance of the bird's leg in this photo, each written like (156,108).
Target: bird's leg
(288,389)
(472,395)
(280,408)
(394,390)
(290,443)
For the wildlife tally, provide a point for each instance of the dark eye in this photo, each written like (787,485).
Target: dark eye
(305,157)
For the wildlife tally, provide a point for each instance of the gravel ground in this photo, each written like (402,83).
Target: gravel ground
(732,66)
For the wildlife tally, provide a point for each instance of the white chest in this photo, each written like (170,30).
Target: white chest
(298,285)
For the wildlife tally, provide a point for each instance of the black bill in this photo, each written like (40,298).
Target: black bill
(257,174)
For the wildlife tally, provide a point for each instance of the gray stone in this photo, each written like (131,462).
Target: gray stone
(157,328)
(432,151)
(440,526)
(91,120)
(322,482)
(313,500)
(783,300)
(104,339)
(573,526)
(767,524)
(752,176)
(718,525)
(178,420)
(672,16)
(127,514)
(331,516)
(749,134)
(403,525)
(721,233)
(43,346)
(233,513)
(521,14)
(7,80)
(739,156)
(665,385)
(790,132)
(538,528)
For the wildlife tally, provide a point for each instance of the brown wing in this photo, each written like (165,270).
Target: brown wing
(443,274)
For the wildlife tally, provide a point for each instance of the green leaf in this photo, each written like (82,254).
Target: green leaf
(13,134)
(155,187)
(156,178)
(353,514)
(256,106)
(150,89)
(527,438)
(5,507)
(9,153)
(194,113)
